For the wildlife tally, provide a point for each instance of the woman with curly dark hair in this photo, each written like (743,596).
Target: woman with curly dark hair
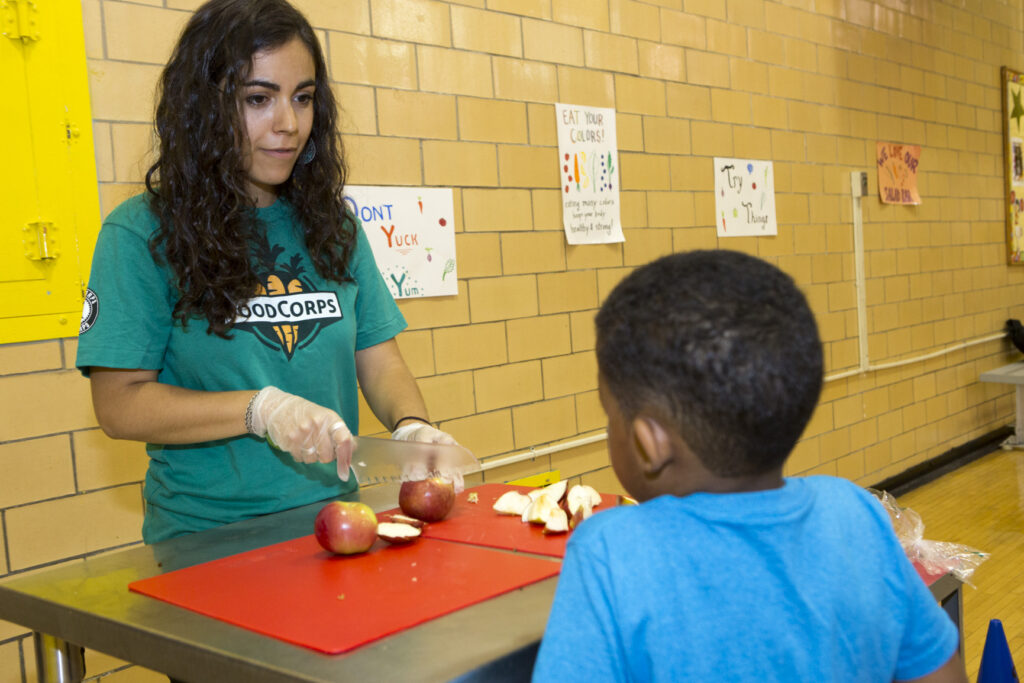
(239,268)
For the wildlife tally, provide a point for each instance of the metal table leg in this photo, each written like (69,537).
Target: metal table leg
(1016,440)
(954,606)
(58,661)
(1018,436)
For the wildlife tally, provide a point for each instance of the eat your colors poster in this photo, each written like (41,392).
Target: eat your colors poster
(588,163)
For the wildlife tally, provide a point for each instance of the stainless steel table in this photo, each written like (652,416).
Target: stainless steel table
(89,604)
(1011,374)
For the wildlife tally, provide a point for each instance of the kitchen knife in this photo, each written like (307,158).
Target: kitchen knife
(378,461)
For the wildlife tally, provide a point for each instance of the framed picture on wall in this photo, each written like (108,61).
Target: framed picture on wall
(1013,146)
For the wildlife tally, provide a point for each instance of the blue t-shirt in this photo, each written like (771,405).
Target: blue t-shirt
(301,336)
(807,582)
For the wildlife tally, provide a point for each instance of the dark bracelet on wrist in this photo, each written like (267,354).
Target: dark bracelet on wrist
(410,417)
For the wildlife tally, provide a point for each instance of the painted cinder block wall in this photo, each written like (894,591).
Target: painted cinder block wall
(459,94)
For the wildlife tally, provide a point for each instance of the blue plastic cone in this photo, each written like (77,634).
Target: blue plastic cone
(996,661)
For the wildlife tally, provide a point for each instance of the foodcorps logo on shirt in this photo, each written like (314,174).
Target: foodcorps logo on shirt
(90,311)
(289,321)
(293,308)
(287,313)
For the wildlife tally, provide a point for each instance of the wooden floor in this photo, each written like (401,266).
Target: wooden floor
(982,505)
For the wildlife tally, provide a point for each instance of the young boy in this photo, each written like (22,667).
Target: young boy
(710,366)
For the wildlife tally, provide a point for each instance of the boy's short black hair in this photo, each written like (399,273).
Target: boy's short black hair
(724,346)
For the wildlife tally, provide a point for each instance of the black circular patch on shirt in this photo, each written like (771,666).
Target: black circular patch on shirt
(90,311)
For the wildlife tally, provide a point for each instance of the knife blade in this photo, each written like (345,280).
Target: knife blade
(378,461)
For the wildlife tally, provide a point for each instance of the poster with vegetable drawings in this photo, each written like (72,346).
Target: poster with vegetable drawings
(1013,161)
(588,162)
(412,233)
(744,197)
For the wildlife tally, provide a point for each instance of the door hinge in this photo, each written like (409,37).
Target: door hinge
(71,132)
(40,241)
(19,20)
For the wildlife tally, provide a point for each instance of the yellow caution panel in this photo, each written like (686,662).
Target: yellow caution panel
(49,213)
(538,480)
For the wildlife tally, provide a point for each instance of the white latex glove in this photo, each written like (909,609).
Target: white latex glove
(307,430)
(419,431)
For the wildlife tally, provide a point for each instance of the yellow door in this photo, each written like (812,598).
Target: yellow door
(49,212)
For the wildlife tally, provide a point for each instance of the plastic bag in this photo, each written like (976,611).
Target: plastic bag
(937,557)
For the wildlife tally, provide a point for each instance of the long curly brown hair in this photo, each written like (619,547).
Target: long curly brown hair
(197,187)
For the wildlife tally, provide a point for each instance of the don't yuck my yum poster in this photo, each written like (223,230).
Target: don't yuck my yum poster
(412,233)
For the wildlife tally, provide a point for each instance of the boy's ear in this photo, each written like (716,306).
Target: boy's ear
(653,443)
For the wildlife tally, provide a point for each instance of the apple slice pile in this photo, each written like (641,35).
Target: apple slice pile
(557,508)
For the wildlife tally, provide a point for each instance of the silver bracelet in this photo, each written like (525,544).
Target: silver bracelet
(248,414)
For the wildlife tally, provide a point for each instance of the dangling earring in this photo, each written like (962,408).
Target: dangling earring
(308,153)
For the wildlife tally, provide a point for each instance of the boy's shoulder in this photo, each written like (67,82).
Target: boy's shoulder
(613,528)
(821,496)
(846,490)
(827,483)
(611,522)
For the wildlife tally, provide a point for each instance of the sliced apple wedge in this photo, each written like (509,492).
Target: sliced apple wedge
(397,532)
(399,518)
(582,512)
(554,491)
(511,503)
(541,510)
(579,495)
(557,522)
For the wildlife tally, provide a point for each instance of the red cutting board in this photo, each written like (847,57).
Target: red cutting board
(478,524)
(297,592)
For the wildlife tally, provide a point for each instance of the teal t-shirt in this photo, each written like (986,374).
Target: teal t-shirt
(301,336)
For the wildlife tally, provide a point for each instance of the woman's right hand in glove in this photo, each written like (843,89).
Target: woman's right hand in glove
(307,430)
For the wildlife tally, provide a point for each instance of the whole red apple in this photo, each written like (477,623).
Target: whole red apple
(428,499)
(345,528)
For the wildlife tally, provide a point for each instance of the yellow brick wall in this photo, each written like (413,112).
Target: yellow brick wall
(460,94)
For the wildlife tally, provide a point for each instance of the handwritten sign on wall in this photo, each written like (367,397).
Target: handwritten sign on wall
(744,197)
(897,173)
(412,233)
(588,162)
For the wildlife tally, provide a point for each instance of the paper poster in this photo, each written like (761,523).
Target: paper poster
(745,198)
(412,233)
(897,173)
(588,161)
(1013,163)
